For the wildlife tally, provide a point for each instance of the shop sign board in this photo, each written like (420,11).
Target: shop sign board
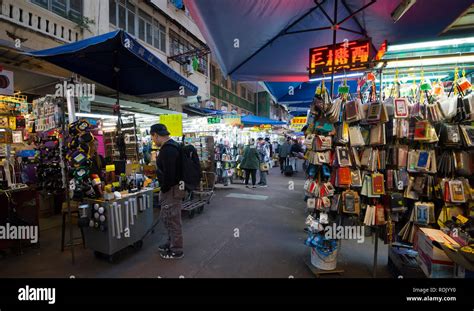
(174,124)
(232,119)
(348,56)
(6,82)
(297,123)
(213,120)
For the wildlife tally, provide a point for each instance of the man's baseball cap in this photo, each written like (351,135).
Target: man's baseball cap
(159,129)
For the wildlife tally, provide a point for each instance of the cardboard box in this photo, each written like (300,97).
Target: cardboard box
(461,273)
(434,269)
(433,261)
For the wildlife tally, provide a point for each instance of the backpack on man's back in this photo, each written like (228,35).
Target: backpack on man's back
(191,167)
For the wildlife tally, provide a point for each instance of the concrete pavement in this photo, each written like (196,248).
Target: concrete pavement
(243,233)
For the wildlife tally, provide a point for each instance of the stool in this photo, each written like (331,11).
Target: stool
(74,212)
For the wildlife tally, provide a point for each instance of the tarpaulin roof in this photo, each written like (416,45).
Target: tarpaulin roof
(269,40)
(302,93)
(140,71)
(203,111)
(298,113)
(255,120)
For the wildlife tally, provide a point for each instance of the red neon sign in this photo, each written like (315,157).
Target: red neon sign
(349,56)
(382,50)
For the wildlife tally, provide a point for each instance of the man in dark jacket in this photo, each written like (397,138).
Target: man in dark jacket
(284,152)
(169,172)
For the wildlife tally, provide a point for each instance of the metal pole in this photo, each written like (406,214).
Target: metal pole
(66,174)
(381,80)
(376,249)
(256,99)
(334,36)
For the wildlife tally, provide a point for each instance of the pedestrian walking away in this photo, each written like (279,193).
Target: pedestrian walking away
(263,150)
(283,153)
(250,163)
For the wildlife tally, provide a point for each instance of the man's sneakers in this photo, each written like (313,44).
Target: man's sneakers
(254,186)
(164,247)
(263,186)
(169,254)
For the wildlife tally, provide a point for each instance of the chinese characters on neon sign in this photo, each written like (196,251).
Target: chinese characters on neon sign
(349,56)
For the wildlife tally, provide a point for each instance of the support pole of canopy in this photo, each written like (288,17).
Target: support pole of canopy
(64,132)
(334,36)
(120,139)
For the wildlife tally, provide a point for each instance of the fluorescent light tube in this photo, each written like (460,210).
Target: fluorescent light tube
(336,77)
(430,44)
(424,62)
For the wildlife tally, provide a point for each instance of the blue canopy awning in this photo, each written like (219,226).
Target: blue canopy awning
(255,120)
(274,36)
(302,93)
(140,72)
(204,111)
(299,113)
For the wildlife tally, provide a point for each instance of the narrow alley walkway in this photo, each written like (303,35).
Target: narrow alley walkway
(243,233)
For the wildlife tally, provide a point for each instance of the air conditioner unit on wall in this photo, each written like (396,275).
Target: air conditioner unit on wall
(188,67)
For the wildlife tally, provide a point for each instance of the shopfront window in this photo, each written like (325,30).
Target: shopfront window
(162,38)
(213,73)
(203,65)
(243,92)
(250,96)
(126,16)
(70,9)
(179,45)
(223,81)
(131,19)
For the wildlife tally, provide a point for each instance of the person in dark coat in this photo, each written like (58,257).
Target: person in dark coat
(169,173)
(250,163)
(284,152)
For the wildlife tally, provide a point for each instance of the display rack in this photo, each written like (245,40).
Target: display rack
(205,149)
(127,221)
(132,140)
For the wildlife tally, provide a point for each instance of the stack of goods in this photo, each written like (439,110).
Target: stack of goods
(394,163)
(225,163)
(13,110)
(124,144)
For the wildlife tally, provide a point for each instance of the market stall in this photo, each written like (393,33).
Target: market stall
(395,158)
(118,61)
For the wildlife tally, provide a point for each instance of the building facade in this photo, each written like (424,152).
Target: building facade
(228,95)
(163,26)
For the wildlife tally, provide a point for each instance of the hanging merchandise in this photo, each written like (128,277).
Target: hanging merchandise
(48,157)
(392,164)
(80,144)
(47,114)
